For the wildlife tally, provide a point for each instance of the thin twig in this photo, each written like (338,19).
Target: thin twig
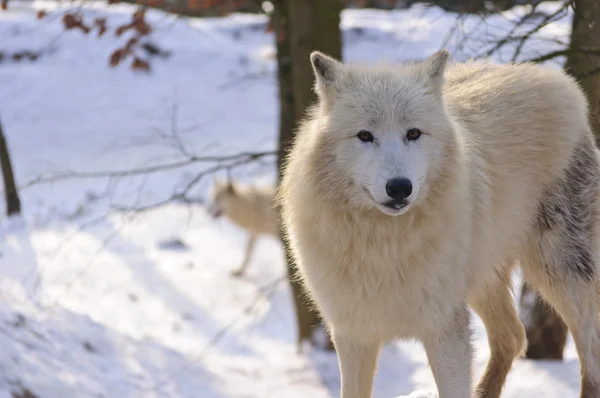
(589,73)
(564,52)
(545,21)
(238,157)
(183,194)
(508,36)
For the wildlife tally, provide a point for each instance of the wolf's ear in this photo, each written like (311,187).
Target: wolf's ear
(218,183)
(435,65)
(326,71)
(224,186)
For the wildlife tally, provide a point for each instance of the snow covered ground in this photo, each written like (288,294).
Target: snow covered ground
(118,304)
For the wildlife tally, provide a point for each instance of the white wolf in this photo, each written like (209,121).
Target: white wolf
(251,207)
(412,190)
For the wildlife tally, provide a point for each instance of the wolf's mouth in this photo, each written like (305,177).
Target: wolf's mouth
(396,205)
(215,212)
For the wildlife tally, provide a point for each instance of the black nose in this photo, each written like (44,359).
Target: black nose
(398,188)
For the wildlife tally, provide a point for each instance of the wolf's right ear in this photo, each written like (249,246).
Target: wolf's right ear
(326,71)
(434,67)
(223,186)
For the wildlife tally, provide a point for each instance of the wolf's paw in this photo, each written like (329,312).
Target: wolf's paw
(421,394)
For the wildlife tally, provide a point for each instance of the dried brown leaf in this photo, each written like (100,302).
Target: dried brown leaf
(140,64)
(41,14)
(139,14)
(139,22)
(130,44)
(85,29)
(143,28)
(122,29)
(101,24)
(70,21)
(116,57)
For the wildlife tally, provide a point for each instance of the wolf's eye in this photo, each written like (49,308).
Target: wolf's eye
(413,134)
(365,136)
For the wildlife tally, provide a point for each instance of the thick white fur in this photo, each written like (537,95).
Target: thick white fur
(495,138)
(251,207)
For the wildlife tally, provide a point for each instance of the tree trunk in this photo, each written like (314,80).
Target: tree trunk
(301,27)
(585,34)
(13,204)
(314,25)
(546,332)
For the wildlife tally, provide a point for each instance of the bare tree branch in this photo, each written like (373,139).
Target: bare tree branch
(224,161)
(244,78)
(182,195)
(509,35)
(561,12)
(589,73)
(485,39)
(563,52)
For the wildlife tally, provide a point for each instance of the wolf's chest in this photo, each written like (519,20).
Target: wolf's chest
(386,306)
(376,281)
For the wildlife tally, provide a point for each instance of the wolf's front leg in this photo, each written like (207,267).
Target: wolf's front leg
(247,254)
(450,356)
(358,361)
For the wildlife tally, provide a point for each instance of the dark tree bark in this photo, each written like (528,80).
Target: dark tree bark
(13,204)
(314,25)
(301,27)
(546,331)
(305,318)
(585,34)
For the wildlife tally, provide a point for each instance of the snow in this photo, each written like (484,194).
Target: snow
(99,303)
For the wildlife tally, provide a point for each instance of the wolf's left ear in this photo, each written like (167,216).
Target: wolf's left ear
(326,71)
(435,65)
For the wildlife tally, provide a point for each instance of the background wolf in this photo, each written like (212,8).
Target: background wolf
(483,165)
(251,207)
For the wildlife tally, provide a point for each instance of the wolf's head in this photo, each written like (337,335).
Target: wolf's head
(220,196)
(381,131)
